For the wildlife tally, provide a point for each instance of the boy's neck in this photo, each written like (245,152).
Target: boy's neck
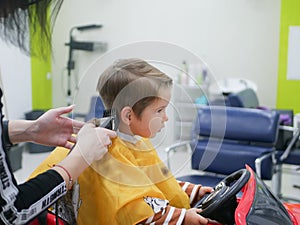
(129,138)
(125,129)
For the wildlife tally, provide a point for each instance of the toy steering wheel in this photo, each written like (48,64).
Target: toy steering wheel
(220,205)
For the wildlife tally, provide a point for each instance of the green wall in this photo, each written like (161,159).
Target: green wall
(288,91)
(41,84)
(41,78)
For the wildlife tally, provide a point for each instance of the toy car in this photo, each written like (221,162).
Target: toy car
(242,198)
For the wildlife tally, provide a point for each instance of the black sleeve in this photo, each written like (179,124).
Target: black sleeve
(41,186)
(6,139)
(35,196)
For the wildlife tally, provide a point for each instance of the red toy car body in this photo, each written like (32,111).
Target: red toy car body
(258,206)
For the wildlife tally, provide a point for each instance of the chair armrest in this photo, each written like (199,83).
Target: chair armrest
(258,162)
(285,154)
(288,149)
(174,147)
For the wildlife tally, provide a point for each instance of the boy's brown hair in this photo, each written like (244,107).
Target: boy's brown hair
(131,82)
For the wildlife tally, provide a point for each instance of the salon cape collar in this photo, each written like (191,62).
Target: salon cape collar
(129,138)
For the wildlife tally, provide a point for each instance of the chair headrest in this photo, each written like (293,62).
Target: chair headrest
(235,123)
(246,98)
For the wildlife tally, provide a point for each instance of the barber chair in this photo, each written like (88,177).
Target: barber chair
(288,141)
(247,98)
(225,139)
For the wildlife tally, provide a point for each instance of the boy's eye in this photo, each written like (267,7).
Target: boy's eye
(160,110)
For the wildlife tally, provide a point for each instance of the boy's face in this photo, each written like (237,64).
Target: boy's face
(153,117)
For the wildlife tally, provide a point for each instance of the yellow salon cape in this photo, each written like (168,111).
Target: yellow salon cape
(113,189)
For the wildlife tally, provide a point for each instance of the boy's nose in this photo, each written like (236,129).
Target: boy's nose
(165,118)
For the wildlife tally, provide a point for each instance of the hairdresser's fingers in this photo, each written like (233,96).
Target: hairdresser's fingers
(69,145)
(110,133)
(92,142)
(72,139)
(105,135)
(63,110)
(77,125)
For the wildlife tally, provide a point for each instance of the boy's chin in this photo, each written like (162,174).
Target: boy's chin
(154,135)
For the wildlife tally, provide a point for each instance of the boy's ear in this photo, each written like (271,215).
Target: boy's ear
(126,114)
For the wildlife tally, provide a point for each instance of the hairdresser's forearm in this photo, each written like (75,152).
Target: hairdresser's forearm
(74,163)
(22,131)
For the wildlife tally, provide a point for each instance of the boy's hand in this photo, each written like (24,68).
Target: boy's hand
(204,190)
(192,217)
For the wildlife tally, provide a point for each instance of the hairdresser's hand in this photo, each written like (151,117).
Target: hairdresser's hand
(192,217)
(54,129)
(92,142)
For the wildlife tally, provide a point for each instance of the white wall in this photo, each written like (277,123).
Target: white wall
(15,70)
(236,38)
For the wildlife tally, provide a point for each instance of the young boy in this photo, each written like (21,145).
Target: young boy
(131,185)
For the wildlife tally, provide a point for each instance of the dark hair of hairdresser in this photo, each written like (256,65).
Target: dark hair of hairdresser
(21,18)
